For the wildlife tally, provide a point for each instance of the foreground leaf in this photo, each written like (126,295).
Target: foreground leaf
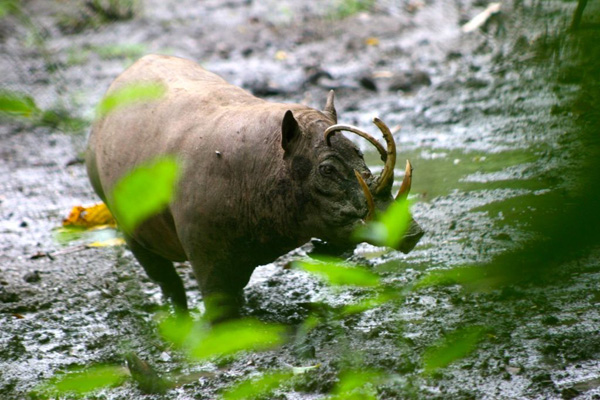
(357,384)
(82,382)
(144,192)
(129,95)
(253,387)
(478,278)
(452,347)
(336,272)
(17,104)
(227,338)
(389,228)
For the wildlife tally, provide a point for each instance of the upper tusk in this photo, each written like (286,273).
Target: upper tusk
(342,127)
(406,182)
(367,192)
(386,180)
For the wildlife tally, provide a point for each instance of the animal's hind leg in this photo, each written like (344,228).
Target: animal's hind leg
(161,271)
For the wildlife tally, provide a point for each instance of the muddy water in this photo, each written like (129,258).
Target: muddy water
(488,136)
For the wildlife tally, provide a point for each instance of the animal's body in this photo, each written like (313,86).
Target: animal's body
(257,177)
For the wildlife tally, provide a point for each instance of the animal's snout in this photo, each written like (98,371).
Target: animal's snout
(412,236)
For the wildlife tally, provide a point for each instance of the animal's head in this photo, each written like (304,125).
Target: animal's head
(332,184)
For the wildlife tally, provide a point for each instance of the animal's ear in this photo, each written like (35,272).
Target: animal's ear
(290,131)
(330,108)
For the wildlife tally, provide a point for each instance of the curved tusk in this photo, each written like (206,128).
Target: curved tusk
(342,127)
(367,192)
(406,182)
(386,179)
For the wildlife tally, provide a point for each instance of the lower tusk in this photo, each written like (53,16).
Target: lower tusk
(406,182)
(367,192)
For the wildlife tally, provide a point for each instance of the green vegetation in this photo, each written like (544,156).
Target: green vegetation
(93,14)
(8,7)
(129,95)
(80,382)
(126,51)
(23,108)
(347,8)
(202,341)
(257,386)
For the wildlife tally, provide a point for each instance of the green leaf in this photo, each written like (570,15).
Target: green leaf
(235,336)
(253,387)
(177,329)
(336,272)
(128,95)
(8,7)
(357,384)
(144,192)
(82,382)
(17,104)
(389,228)
(452,347)
(227,338)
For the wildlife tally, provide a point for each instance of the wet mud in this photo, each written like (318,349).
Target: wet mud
(489,119)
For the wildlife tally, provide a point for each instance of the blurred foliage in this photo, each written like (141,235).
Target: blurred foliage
(260,386)
(389,228)
(22,107)
(18,105)
(129,95)
(129,51)
(202,341)
(8,7)
(357,385)
(92,14)
(348,8)
(80,383)
(144,192)
(337,272)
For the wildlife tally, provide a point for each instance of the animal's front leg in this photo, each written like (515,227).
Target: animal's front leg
(161,271)
(222,289)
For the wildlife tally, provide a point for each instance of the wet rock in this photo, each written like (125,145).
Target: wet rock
(453,55)
(264,87)
(314,75)
(476,83)
(305,351)
(32,277)
(247,52)
(409,81)
(551,320)
(8,297)
(13,349)
(569,393)
(368,83)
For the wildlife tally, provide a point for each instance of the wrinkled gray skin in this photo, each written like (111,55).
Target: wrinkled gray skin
(258,178)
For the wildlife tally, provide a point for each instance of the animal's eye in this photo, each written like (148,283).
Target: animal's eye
(327,169)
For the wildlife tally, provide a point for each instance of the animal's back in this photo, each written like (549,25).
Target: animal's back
(218,131)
